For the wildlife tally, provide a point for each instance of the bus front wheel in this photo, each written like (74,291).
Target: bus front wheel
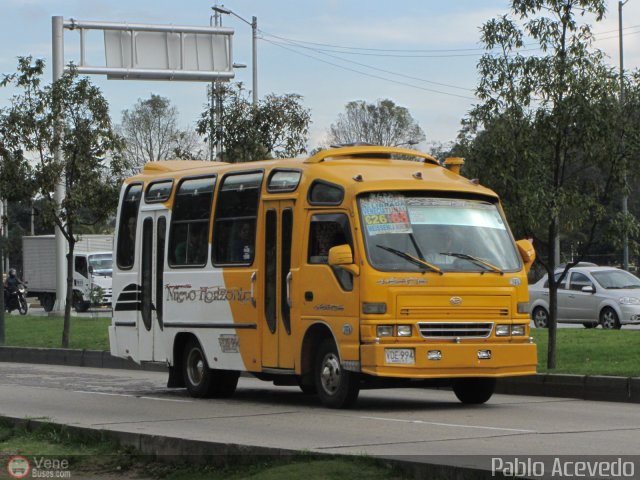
(200,380)
(336,387)
(474,390)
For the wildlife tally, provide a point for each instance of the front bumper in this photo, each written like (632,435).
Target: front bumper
(458,360)
(630,314)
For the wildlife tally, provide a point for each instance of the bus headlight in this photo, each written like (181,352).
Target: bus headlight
(404,330)
(518,330)
(502,330)
(384,331)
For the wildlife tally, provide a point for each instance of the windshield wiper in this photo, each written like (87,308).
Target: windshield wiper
(489,267)
(411,258)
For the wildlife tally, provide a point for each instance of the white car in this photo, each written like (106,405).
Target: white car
(589,295)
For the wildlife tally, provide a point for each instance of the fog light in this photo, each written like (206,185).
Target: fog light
(404,330)
(484,354)
(374,308)
(384,331)
(502,330)
(518,330)
(434,355)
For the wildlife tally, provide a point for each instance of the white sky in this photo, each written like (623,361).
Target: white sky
(430,26)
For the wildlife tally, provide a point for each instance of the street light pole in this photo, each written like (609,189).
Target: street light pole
(254,31)
(625,206)
(254,58)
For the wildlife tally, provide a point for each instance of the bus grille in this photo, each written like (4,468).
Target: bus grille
(455,329)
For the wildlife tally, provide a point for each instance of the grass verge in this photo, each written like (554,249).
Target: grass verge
(579,351)
(98,456)
(46,332)
(591,352)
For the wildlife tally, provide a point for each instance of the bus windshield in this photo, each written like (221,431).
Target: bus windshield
(411,232)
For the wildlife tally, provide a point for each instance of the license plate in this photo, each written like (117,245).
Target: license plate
(405,356)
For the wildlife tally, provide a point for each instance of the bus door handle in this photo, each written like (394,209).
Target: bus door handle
(253,284)
(289,275)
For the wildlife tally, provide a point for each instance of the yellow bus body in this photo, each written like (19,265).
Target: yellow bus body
(276,319)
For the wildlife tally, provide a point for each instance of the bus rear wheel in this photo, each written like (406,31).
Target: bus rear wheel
(474,391)
(336,387)
(200,380)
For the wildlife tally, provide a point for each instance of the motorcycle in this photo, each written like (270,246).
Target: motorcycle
(17,300)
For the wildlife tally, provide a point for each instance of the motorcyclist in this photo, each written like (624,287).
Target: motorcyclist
(11,284)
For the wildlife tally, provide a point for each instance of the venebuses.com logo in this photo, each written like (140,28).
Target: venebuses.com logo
(18,467)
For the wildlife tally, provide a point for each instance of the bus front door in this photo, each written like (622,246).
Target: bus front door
(277,344)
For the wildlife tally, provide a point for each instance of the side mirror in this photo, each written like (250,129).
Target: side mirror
(91,269)
(341,256)
(527,252)
(588,289)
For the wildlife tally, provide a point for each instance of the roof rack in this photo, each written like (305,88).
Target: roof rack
(370,152)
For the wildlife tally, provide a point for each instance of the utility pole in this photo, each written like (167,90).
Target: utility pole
(625,206)
(57,46)
(2,225)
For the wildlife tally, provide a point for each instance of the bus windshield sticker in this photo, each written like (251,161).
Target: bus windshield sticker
(385,213)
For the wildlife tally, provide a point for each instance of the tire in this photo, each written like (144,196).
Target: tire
(79,305)
(23,306)
(540,317)
(336,387)
(200,380)
(474,391)
(609,319)
(590,324)
(48,301)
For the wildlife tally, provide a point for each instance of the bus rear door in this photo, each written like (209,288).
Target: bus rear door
(154,227)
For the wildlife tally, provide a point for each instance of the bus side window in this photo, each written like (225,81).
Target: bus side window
(234,233)
(326,231)
(188,239)
(127,228)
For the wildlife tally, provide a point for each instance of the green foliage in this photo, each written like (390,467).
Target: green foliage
(61,134)
(384,123)
(547,133)
(277,127)
(150,131)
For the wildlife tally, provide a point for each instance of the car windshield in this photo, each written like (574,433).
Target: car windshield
(102,263)
(444,235)
(616,279)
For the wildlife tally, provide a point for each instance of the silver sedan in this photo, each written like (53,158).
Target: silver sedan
(589,295)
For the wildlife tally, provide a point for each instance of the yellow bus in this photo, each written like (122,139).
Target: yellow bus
(357,266)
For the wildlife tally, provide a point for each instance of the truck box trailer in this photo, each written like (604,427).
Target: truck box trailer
(91,276)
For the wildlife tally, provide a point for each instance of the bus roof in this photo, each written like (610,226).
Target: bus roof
(358,169)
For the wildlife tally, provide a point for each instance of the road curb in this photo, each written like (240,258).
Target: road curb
(74,358)
(178,450)
(584,387)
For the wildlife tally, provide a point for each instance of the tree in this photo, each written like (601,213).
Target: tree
(151,133)
(547,133)
(71,117)
(277,127)
(384,123)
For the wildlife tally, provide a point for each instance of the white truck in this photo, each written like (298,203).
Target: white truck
(92,260)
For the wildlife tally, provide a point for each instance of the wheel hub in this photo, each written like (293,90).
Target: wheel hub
(195,367)
(330,375)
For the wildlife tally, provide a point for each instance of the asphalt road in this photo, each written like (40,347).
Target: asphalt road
(390,423)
